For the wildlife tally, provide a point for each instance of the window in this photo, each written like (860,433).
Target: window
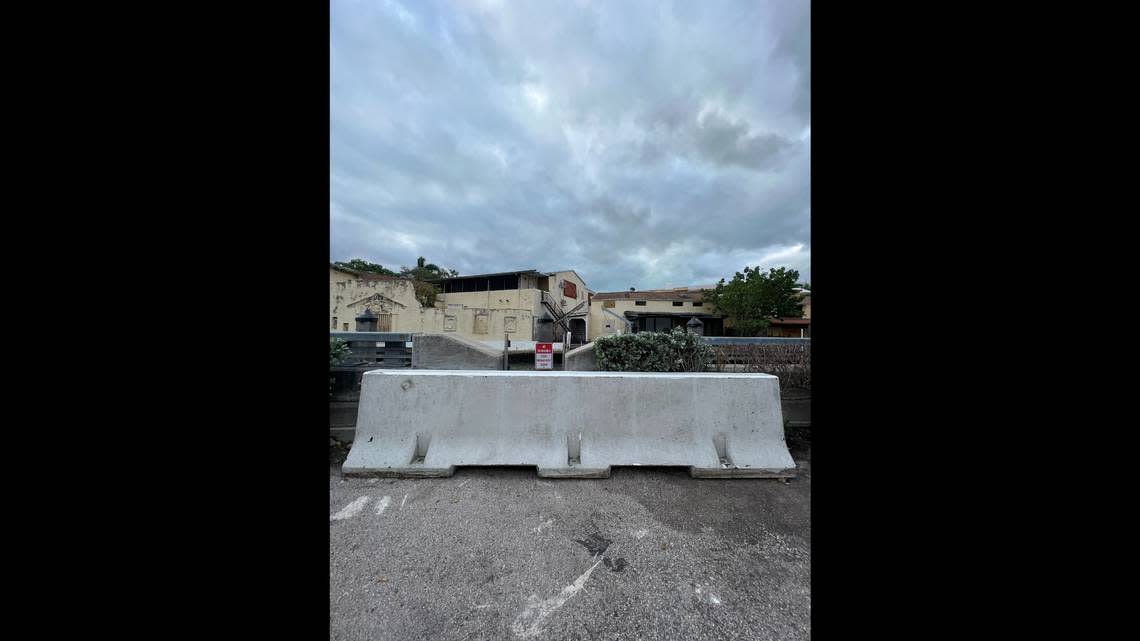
(346,327)
(639,302)
(678,303)
(699,304)
(655,323)
(334,322)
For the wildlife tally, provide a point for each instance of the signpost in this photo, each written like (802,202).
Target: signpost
(544,355)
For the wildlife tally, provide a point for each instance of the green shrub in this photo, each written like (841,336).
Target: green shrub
(338,351)
(674,351)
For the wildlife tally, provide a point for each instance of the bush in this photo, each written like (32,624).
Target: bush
(338,351)
(426,293)
(791,363)
(674,351)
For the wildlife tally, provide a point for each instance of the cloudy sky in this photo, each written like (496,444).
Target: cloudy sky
(641,143)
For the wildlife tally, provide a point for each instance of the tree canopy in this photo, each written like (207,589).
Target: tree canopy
(427,271)
(752,297)
(361,265)
(419,275)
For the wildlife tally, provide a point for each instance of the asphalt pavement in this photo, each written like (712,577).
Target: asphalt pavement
(498,553)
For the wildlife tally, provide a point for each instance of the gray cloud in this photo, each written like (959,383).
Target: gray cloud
(643,144)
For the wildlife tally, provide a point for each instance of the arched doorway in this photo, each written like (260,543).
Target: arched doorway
(577,331)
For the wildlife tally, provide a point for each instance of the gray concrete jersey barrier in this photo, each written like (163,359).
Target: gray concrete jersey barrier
(569,424)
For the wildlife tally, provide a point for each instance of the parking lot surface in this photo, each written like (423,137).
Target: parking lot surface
(498,553)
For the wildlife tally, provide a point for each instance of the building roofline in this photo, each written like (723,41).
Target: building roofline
(519,272)
(365,275)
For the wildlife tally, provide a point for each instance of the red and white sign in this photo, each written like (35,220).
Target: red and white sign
(544,355)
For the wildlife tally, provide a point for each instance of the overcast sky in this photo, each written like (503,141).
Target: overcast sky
(641,143)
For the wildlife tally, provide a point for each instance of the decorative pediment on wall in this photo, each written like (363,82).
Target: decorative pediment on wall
(377,304)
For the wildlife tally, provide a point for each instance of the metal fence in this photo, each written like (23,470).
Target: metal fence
(756,340)
(373,350)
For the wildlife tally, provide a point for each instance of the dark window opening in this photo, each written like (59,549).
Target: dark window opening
(678,303)
(712,326)
(698,304)
(639,302)
(489,283)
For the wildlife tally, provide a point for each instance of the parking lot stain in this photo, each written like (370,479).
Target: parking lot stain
(617,566)
(595,544)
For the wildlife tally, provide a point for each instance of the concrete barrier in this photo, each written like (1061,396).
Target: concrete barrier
(580,359)
(447,352)
(569,424)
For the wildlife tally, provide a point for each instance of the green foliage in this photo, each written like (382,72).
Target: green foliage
(752,297)
(338,351)
(361,265)
(426,271)
(674,351)
(423,272)
(425,292)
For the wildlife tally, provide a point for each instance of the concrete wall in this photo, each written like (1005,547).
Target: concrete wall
(448,351)
(580,359)
(510,311)
(480,316)
(599,321)
(349,296)
(795,406)
(472,315)
(569,424)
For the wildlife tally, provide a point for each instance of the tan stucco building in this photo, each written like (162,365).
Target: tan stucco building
(521,304)
(651,310)
(663,309)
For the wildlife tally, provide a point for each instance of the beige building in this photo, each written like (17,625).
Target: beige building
(663,309)
(526,305)
(651,310)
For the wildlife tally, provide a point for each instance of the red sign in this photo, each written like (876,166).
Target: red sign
(569,290)
(544,355)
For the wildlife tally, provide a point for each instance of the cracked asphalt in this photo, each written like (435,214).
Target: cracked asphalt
(498,553)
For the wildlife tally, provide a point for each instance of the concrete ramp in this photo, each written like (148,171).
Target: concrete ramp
(580,359)
(569,424)
(448,352)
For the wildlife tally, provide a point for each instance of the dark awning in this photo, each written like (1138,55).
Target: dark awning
(632,315)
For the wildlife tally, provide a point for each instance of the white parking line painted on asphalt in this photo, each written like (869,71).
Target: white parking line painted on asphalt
(383,504)
(350,510)
(404,501)
(529,622)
